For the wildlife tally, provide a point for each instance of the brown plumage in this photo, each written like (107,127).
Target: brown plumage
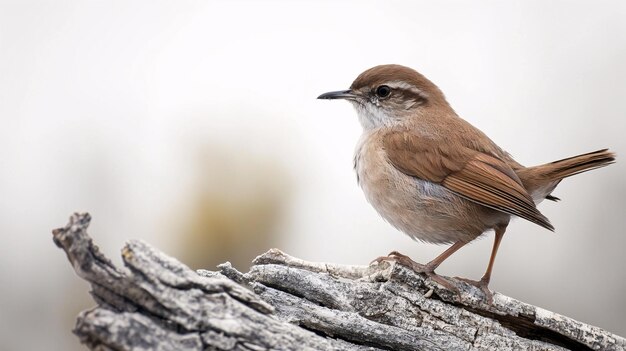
(552,173)
(472,174)
(436,177)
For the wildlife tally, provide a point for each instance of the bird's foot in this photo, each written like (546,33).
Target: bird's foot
(482,284)
(426,269)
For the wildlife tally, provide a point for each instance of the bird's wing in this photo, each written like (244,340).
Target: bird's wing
(474,175)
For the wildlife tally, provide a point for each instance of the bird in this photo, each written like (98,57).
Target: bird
(436,177)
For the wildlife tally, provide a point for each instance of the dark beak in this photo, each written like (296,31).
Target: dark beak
(343,94)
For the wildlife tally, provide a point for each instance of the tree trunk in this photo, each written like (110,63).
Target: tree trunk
(284,303)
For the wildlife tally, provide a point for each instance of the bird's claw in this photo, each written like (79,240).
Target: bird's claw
(404,260)
(482,285)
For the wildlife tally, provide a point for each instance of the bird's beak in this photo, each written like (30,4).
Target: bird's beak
(342,94)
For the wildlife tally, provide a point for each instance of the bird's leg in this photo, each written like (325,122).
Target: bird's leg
(483,283)
(429,268)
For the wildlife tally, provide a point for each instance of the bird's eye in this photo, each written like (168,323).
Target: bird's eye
(383,91)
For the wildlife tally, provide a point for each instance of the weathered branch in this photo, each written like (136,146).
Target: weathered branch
(284,303)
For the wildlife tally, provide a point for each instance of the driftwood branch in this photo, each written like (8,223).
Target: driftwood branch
(283,303)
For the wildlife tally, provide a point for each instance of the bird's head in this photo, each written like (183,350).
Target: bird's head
(389,94)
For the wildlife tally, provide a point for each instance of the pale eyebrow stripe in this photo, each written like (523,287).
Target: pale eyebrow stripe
(400,84)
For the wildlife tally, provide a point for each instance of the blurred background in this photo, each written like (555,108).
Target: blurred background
(193,125)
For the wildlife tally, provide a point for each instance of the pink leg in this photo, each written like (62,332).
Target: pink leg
(429,268)
(483,283)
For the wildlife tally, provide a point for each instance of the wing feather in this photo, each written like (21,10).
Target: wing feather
(472,174)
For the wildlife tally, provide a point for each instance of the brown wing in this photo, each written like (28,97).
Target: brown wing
(472,174)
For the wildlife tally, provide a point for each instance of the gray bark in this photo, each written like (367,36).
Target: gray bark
(284,303)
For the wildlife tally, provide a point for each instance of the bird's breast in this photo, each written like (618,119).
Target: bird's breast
(421,209)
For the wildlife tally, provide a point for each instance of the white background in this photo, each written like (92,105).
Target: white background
(117,108)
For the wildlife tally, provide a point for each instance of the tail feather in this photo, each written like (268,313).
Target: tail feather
(570,166)
(552,198)
(541,180)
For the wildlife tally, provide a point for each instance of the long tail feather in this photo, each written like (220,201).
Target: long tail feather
(570,166)
(541,180)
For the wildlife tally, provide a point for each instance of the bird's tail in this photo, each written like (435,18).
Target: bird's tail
(541,180)
(570,166)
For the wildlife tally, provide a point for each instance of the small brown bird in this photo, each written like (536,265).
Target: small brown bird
(436,177)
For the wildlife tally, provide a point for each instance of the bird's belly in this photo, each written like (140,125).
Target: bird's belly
(423,210)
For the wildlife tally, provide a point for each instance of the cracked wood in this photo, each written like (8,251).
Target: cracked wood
(284,303)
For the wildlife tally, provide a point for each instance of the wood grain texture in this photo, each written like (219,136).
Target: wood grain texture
(284,303)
